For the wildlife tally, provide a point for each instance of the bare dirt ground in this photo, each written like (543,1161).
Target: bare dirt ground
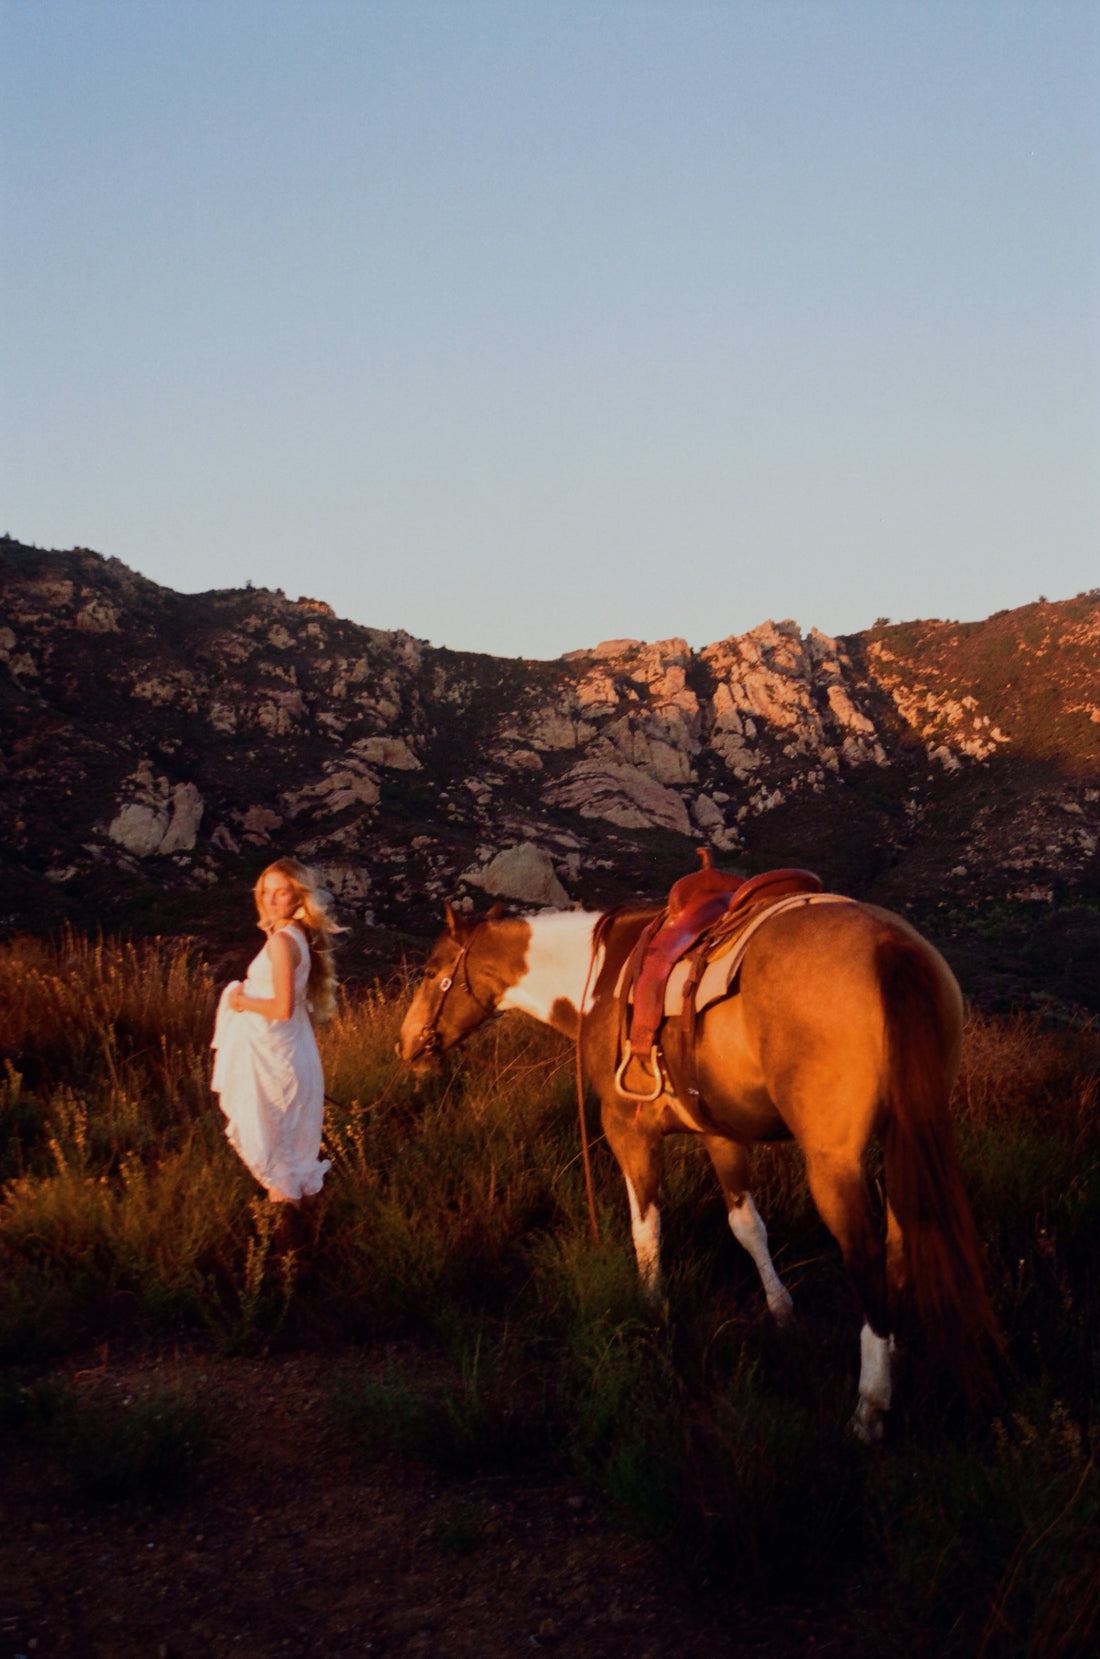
(286,1541)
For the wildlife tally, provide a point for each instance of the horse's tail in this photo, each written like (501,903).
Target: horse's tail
(943,1254)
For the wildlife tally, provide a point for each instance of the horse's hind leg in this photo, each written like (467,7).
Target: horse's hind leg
(876,1353)
(876,1385)
(840,1193)
(731,1165)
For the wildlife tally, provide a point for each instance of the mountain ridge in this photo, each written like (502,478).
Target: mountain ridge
(159,748)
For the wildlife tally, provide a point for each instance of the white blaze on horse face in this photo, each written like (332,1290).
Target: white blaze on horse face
(646,1232)
(876,1388)
(410,1039)
(747,1227)
(559,957)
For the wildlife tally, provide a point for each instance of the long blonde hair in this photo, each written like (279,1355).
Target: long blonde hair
(314,916)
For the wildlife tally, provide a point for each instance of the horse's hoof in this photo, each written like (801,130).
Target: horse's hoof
(867,1424)
(782,1311)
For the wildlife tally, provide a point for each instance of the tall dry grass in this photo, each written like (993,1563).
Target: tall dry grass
(454,1218)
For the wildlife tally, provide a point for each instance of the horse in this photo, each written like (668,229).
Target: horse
(844,1024)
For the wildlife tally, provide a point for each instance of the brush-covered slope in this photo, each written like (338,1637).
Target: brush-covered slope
(158,748)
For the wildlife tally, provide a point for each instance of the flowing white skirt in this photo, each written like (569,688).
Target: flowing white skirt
(269,1079)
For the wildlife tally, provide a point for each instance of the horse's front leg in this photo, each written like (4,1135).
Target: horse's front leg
(635,1140)
(731,1165)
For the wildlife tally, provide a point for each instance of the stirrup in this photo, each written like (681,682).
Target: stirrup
(658,1077)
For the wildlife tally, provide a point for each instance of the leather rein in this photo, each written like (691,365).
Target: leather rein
(432,1044)
(603,924)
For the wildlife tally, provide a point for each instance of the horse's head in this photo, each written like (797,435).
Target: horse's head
(464,978)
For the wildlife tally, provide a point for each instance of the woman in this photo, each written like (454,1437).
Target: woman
(267,1069)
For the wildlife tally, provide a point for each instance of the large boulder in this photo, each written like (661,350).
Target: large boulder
(524,873)
(158,818)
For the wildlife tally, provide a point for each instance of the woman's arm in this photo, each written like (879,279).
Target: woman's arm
(285,956)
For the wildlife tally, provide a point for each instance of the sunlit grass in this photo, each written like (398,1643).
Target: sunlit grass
(454,1222)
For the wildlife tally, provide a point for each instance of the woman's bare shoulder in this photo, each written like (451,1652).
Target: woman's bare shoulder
(284,943)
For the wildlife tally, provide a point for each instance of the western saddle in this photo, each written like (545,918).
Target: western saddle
(707,913)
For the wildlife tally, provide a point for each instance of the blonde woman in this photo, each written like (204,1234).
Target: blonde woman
(267,1069)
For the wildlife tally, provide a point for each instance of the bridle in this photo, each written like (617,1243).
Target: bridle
(431,1043)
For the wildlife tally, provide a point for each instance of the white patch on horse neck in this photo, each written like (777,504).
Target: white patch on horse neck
(747,1227)
(559,953)
(876,1387)
(646,1233)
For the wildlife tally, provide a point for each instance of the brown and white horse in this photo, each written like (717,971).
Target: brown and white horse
(845,1025)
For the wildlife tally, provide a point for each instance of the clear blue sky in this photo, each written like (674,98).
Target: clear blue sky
(525,323)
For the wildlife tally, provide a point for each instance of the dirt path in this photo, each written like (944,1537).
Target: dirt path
(284,1542)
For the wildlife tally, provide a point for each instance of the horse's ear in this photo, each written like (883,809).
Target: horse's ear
(496,912)
(454,920)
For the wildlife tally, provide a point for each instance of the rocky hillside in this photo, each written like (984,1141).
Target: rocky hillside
(159,748)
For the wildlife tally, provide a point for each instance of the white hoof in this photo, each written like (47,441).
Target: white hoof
(875,1386)
(867,1423)
(651,1295)
(781,1309)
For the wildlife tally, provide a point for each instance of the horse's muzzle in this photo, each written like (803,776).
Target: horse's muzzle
(423,1061)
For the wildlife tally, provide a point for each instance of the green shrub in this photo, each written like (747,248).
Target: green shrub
(112,1446)
(484,1409)
(989,1545)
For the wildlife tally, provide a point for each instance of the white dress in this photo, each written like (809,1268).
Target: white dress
(268,1075)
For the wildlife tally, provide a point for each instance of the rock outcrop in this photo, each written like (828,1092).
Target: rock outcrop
(159,748)
(156,819)
(525,873)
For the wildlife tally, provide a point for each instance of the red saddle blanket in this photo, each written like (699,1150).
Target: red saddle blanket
(695,903)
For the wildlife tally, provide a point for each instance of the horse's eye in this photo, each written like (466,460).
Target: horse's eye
(446,982)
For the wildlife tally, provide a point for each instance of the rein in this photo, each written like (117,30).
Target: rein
(598,932)
(431,1043)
